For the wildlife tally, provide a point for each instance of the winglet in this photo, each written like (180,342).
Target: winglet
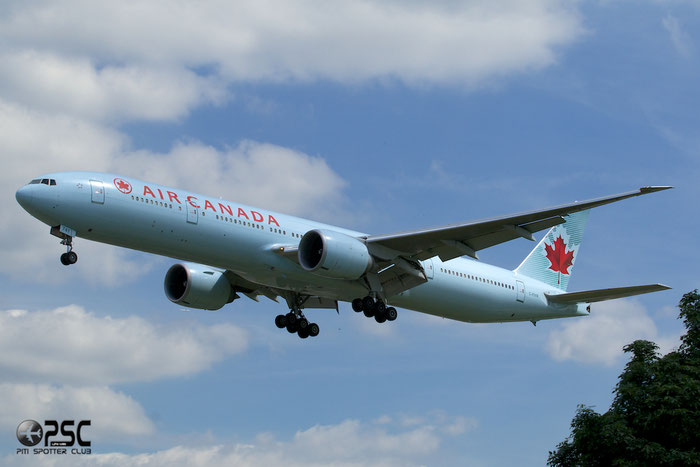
(654,189)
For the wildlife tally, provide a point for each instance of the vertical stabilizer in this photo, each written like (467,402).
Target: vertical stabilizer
(552,261)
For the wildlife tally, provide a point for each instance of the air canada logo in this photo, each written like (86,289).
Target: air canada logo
(122,185)
(561,259)
(29,433)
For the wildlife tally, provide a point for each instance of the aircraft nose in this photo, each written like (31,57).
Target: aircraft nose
(24,196)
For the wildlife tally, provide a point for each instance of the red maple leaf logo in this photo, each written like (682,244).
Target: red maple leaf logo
(122,185)
(561,259)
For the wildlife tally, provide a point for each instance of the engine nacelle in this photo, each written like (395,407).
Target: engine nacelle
(197,286)
(333,254)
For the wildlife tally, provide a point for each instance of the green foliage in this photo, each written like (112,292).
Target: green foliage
(655,416)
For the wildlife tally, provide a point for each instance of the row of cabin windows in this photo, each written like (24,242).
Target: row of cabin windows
(254,225)
(476,278)
(43,181)
(150,201)
(233,220)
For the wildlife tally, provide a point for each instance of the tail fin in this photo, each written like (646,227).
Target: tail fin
(552,260)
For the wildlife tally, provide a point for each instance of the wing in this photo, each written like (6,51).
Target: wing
(451,241)
(590,296)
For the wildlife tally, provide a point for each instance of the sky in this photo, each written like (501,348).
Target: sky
(375,116)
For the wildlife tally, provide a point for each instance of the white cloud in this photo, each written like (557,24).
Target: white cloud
(680,39)
(77,86)
(71,345)
(260,174)
(343,41)
(111,413)
(348,443)
(600,337)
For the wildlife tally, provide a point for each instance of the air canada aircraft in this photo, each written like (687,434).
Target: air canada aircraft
(228,250)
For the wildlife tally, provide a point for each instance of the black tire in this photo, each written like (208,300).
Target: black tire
(72,257)
(303,333)
(380,317)
(280,321)
(379,308)
(367,304)
(313,329)
(303,323)
(369,313)
(291,318)
(357,305)
(292,328)
(391,313)
(64,259)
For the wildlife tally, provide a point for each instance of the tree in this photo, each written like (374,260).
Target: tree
(655,416)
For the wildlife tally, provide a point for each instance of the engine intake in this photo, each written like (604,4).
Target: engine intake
(333,254)
(197,286)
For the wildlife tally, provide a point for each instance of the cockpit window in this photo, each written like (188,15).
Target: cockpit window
(35,181)
(44,181)
(52,182)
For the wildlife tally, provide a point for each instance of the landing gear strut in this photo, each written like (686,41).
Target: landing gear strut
(70,256)
(295,321)
(376,309)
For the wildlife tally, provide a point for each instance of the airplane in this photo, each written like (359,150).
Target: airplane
(227,249)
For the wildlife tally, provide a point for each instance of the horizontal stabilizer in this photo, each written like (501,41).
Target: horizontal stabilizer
(600,295)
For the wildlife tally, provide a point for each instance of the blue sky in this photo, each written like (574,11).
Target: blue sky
(377,117)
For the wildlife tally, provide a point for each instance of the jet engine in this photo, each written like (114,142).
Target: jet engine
(197,286)
(333,254)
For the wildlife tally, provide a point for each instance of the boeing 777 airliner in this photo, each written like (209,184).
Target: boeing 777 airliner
(229,249)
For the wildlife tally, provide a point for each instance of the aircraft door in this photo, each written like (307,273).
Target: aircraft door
(521,291)
(98,191)
(192,214)
(428,268)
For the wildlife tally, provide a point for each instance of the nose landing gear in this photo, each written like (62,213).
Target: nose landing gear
(70,256)
(66,235)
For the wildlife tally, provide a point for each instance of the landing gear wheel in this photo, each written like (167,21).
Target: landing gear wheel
(380,317)
(303,323)
(292,328)
(369,312)
(313,329)
(303,333)
(391,313)
(379,308)
(64,259)
(367,304)
(291,318)
(72,257)
(357,305)
(280,321)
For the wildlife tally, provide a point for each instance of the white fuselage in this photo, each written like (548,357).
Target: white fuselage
(192,227)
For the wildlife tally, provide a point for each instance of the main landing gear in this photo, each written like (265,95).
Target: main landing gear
(70,256)
(371,308)
(296,322)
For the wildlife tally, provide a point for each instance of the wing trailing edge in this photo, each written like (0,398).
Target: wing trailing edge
(600,295)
